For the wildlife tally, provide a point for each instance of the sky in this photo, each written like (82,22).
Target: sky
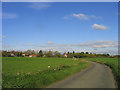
(61,26)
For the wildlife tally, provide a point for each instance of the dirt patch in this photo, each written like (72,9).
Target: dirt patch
(84,61)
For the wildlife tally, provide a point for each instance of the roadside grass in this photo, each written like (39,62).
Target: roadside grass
(24,72)
(112,63)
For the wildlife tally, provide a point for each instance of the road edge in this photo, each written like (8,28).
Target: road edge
(75,74)
(111,70)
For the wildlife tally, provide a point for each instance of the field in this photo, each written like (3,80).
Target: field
(25,72)
(112,63)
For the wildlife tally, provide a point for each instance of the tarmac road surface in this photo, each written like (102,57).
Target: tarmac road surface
(95,76)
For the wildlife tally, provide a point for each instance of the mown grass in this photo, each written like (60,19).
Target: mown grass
(24,72)
(112,63)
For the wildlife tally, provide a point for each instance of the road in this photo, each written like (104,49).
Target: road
(95,76)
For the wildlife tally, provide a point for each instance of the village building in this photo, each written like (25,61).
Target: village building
(32,55)
(12,54)
(24,54)
(44,55)
(65,55)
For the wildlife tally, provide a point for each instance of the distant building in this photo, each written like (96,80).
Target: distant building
(44,55)
(65,54)
(24,54)
(12,54)
(32,55)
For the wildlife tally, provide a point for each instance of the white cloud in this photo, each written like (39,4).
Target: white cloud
(102,46)
(98,44)
(9,15)
(50,42)
(39,6)
(31,44)
(90,44)
(106,51)
(99,27)
(80,16)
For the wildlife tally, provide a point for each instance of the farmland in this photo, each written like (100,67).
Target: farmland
(111,62)
(25,72)
(36,72)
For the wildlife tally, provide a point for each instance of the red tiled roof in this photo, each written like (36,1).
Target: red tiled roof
(32,55)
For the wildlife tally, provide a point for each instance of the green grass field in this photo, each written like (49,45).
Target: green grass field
(111,62)
(25,72)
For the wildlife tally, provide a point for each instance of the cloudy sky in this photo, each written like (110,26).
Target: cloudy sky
(61,26)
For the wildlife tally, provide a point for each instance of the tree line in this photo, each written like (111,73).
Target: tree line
(51,54)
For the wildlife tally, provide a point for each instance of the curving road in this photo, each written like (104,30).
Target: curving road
(96,76)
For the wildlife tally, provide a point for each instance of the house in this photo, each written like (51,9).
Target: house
(44,55)
(12,54)
(24,54)
(32,55)
(65,54)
